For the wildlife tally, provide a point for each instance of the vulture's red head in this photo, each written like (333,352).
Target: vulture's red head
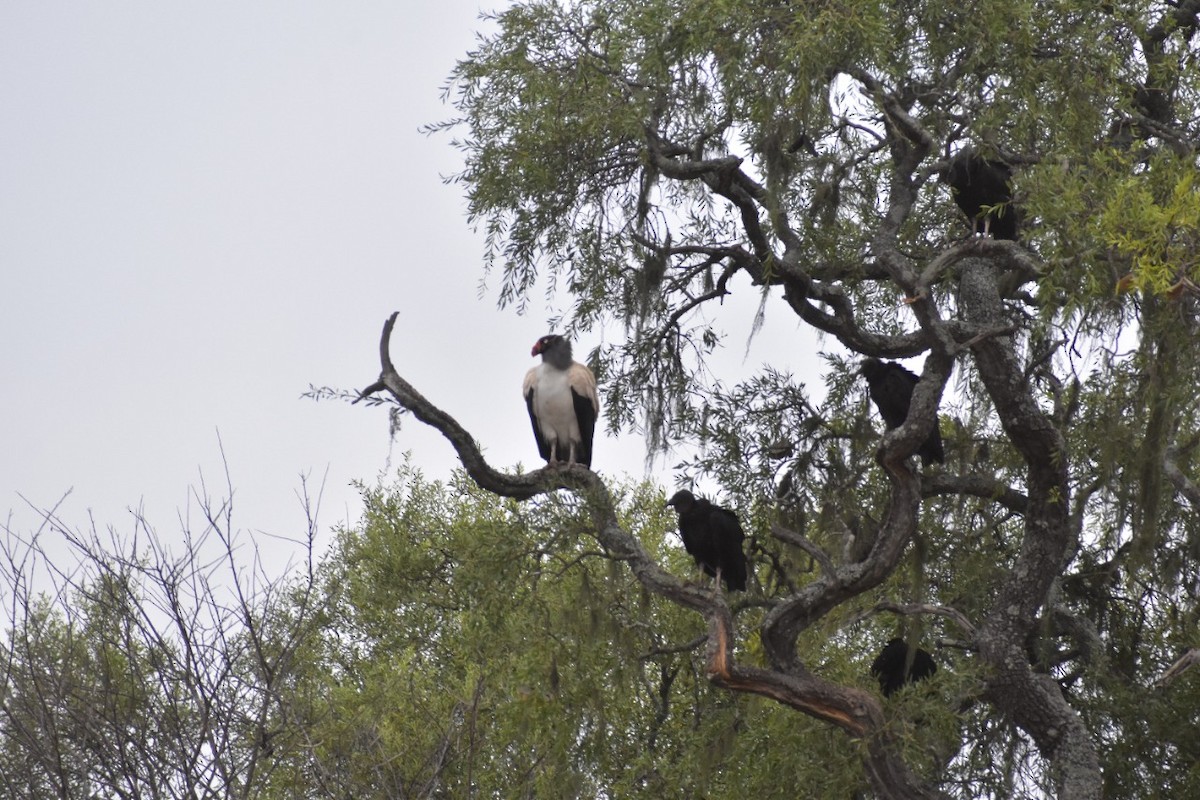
(545,343)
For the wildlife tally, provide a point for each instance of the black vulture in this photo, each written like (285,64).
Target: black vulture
(897,665)
(982,188)
(563,404)
(712,536)
(891,388)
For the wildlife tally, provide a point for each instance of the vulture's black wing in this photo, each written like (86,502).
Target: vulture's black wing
(888,666)
(923,666)
(931,449)
(543,445)
(982,189)
(585,415)
(696,530)
(727,548)
(890,387)
(586,402)
(894,668)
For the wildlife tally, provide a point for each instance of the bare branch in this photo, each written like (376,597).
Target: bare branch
(686,647)
(1182,665)
(909,609)
(797,540)
(138,678)
(521,486)
(978,485)
(1184,485)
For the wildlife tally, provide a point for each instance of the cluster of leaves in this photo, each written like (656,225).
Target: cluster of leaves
(458,643)
(651,158)
(139,669)
(643,160)
(453,644)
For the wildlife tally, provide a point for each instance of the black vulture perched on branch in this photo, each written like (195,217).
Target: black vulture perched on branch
(897,664)
(891,388)
(712,536)
(563,405)
(982,188)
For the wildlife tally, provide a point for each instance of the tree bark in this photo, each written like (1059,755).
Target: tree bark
(1034,702)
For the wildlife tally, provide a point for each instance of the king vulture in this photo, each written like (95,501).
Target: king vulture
(563,404)
(891,387)
(981,187)
(713,537)
(898,664)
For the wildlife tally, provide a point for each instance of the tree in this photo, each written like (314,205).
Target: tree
(651,158)
(142,669)
(477,646)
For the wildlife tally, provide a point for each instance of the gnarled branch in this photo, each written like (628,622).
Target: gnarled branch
(852,710)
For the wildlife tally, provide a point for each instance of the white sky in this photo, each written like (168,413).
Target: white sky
(204,208)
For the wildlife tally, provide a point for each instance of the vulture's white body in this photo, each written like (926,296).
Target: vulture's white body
(554,406)
(563,406)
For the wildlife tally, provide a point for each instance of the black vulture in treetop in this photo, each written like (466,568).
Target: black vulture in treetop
(891,387)
(982,189)
(563,404)
(897,664)
(713,537)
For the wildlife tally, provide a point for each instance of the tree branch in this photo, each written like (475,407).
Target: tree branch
(977,485)
(1184,485)
(1182,665)
(575,478)
(795,539)
(1035,701)
(910,609)
(852,710)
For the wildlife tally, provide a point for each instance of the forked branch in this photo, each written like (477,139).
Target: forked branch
(853,710)
(617,542)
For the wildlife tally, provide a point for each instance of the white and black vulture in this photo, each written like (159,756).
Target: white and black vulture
(713,537)
(898,664)
(982,188)
(891,388)
(563,405)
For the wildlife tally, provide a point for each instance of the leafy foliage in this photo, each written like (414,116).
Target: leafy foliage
(649,159)
(639,161)
(474,644)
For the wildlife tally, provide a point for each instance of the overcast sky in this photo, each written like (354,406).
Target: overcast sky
(204,208)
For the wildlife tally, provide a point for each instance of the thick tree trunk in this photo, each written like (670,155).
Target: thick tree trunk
(1034,702)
